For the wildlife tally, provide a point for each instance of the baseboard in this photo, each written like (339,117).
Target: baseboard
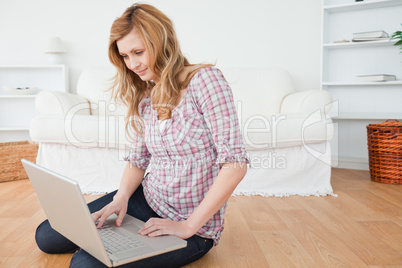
(350,163)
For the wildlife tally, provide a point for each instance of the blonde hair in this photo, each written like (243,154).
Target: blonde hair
(165,60)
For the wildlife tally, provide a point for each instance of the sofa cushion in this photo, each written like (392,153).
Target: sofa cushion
(60,103)
(80,131)
(257,91)
(269,87)
(286,130)
(94,84)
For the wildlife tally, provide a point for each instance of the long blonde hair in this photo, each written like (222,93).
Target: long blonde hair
(165,60)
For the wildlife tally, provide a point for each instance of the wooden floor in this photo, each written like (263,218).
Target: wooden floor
(362,227)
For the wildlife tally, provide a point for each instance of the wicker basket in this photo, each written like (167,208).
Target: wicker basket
(384,142)
(11,154)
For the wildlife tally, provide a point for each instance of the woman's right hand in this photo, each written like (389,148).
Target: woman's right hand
(132,178)
(118,206)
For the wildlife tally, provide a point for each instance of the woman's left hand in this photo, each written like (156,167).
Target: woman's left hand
(157,227)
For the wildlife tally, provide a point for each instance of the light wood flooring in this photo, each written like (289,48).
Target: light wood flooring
(362,227)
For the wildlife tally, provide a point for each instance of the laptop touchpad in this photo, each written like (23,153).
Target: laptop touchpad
(131,227)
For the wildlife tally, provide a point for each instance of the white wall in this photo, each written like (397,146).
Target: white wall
(232,33)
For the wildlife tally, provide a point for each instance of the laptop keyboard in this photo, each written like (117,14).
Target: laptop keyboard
(115,242)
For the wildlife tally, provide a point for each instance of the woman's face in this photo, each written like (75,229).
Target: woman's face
(135,55)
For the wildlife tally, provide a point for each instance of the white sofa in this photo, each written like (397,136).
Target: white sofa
(285,133)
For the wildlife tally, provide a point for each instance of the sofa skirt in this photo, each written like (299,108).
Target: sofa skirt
(97,170)
(299,170)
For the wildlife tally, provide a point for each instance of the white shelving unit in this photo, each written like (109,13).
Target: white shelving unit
(16,111)
(359,104)
(359,44)
(334,6)
(350,84)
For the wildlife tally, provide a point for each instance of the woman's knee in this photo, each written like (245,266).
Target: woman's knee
(82,259)
(51,241)
(41,237)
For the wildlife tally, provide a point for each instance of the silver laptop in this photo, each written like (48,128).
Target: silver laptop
(68,213)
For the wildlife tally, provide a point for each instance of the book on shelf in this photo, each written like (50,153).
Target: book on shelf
(370,36)
(375,78)
(364,39)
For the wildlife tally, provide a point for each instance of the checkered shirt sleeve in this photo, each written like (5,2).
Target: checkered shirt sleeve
(217,105)
(139,155)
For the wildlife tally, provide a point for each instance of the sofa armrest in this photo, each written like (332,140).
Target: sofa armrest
(60,103)
(307,101)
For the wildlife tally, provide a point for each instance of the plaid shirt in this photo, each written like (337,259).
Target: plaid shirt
(185,157)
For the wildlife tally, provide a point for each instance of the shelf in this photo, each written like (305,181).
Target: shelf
(42,77)
(368,116)
(361,5)
(14,128)
(17,110)
(359,44)
(18,96)
(341,84)
(56,66)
